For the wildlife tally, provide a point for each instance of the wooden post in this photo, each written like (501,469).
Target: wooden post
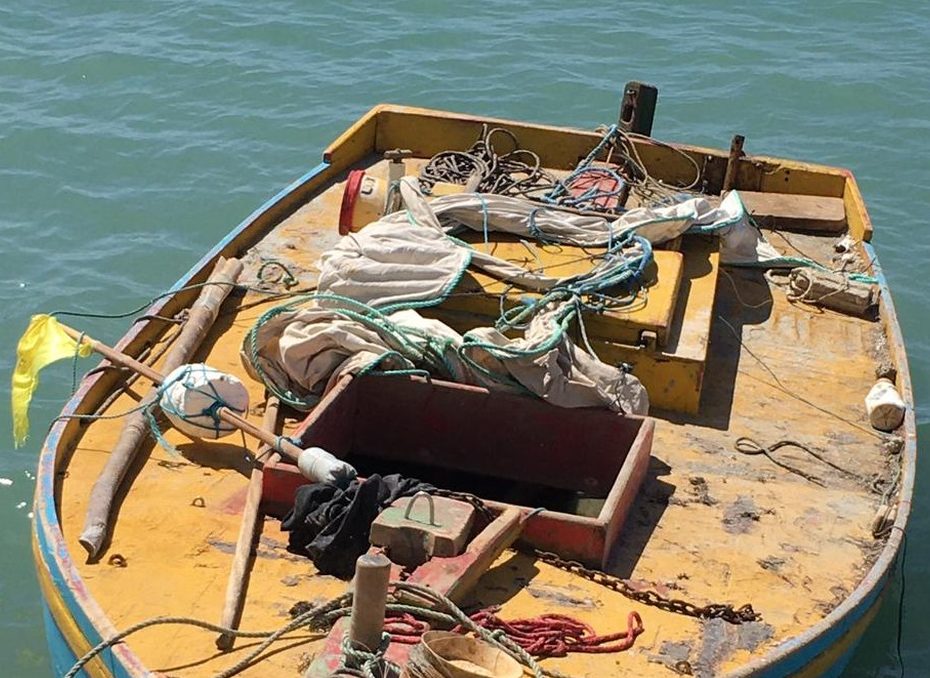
(732,173)
(202,316)
(235,586)
(372,572)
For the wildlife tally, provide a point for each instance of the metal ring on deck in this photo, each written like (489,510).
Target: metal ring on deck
(432,507)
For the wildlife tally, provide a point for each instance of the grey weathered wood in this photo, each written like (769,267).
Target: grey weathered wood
(251,515)
(201,318)
(796,212)
(372,573)
(731,177)
(790,212)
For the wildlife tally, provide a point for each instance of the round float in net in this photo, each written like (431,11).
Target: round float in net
(192,394)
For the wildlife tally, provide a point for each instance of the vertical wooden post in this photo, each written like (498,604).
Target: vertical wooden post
(736,152)
(372,572)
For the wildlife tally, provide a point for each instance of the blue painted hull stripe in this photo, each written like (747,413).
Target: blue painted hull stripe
(60,653)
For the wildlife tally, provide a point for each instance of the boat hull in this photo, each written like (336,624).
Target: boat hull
(827,656)
(75,622)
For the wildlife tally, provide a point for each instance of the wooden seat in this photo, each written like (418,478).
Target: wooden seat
(664,335)
(480,294)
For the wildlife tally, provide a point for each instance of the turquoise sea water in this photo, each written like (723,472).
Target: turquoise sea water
(134,135)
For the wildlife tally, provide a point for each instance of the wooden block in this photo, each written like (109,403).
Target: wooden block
(796,212)
(831,290)
(434,526)
(454,577)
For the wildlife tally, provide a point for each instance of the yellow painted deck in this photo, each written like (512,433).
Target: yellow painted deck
(709,525)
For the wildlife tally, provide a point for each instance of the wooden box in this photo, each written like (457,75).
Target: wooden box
(486,442)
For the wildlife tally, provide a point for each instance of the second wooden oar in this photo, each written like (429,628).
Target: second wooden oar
(251,516)
(202,315)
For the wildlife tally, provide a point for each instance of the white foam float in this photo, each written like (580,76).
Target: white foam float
(191,394)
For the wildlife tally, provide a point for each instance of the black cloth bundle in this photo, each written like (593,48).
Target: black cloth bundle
(331,525)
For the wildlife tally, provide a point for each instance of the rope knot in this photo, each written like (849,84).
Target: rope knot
(365,660)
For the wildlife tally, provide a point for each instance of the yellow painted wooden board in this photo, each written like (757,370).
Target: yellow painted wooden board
(480,293)
(674,374)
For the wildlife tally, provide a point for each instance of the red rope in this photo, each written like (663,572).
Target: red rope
(555,635)
(549,635)
(405,629)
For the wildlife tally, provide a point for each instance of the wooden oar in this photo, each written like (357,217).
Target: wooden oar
(202,315)
(235,587)
(282,445)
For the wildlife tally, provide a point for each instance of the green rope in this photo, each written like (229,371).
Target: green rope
(367,660)
(288,280)
(307,618)
(438,609)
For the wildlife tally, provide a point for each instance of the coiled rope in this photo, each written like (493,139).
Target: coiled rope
(519,172)
(304,619)
(436,607)
(516,172)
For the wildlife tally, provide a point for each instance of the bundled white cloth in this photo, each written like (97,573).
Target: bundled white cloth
(306,351)
(410,259)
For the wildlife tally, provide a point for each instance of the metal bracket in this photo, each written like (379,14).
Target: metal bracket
(432,508)
(649,340)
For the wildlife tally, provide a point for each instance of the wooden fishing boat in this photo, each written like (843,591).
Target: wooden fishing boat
(693,516)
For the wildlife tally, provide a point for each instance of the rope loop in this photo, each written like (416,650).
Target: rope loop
(367,661)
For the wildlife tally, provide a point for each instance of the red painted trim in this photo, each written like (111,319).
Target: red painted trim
(349,198)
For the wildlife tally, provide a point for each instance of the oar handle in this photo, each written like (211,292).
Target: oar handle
(284,446)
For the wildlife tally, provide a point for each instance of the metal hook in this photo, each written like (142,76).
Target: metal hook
(432,508)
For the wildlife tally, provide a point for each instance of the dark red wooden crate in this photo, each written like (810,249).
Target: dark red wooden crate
(436,424)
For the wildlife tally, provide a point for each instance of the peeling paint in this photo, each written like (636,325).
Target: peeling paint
(740,516)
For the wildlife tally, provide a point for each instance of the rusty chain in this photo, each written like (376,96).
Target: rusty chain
(652,597)
(483,510)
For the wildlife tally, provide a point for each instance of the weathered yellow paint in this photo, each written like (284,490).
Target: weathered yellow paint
(824,661)
(710,525)
(774,175)
(559,148)
(356,142)
(857,218)
(674,374)
(480,293)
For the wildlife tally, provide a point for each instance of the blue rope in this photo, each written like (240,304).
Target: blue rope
(484,217)
(561,188)
(183,377)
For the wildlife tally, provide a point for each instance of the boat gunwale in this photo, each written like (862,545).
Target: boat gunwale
(55,553)
(47,527)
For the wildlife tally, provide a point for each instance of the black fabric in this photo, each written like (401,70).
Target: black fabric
(331,525)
